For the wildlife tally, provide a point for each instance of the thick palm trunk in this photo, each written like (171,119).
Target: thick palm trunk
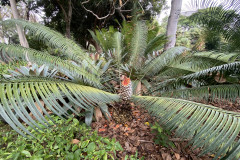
(21,35)
(172,23)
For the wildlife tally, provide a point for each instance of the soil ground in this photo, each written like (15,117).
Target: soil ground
(134,134)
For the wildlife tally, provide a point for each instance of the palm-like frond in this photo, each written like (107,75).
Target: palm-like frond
(155,44)
(216,92)
(41,58)
(138,44)
(54,39)
(224,57)
(23,93)
(94,36)
(173,72)
(200,77)
(222,18)
(104,37)
(209,127)
(203,60)
(195,62)
(118,46)
(163,60)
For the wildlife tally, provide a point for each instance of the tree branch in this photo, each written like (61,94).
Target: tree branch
(110,12)
(64,12)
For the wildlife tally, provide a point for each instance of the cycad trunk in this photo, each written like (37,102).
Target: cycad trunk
(21,35)
(172,23)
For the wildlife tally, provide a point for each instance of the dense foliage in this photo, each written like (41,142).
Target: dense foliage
(79,26)
(65,140)
(221,26)
(196,74)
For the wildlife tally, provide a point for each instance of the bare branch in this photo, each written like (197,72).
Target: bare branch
(124,4)
(64,12)
(120,13)
(110,12)
(126,10)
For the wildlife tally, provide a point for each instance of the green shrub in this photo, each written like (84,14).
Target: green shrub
(11,66)
(57,143)
(161,136)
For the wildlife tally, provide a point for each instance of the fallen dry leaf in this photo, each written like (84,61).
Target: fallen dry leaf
(177,156)
(98,114)
(75,141)
(101,130)
(127,146)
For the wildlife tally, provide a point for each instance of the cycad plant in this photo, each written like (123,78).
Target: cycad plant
(131,50)
(213,129)
(219,22)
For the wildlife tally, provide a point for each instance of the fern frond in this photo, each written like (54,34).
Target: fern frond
(138,44)
(155,43)
(228,92)
(24,93)
(41,58)
(54,39)
(208,127)
(163,60)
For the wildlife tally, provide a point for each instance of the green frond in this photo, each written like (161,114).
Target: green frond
(101,40)
(41,58)
(213,129)
(200,77)
(24,93)
(54,39)
(138,43)
(200,63)
(155,44)
(203,60)
(94,36)
(172,72)
(184,65)
(118,46)
(105,38)
(228,92)
(187,65)
(157,64)
(224,57)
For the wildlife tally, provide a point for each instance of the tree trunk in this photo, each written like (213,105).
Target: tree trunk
(67,17)
(21,35)
(172,23)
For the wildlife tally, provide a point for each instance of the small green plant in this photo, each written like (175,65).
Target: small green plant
(10,66)
(65,140)
(161,136)
(133,157)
